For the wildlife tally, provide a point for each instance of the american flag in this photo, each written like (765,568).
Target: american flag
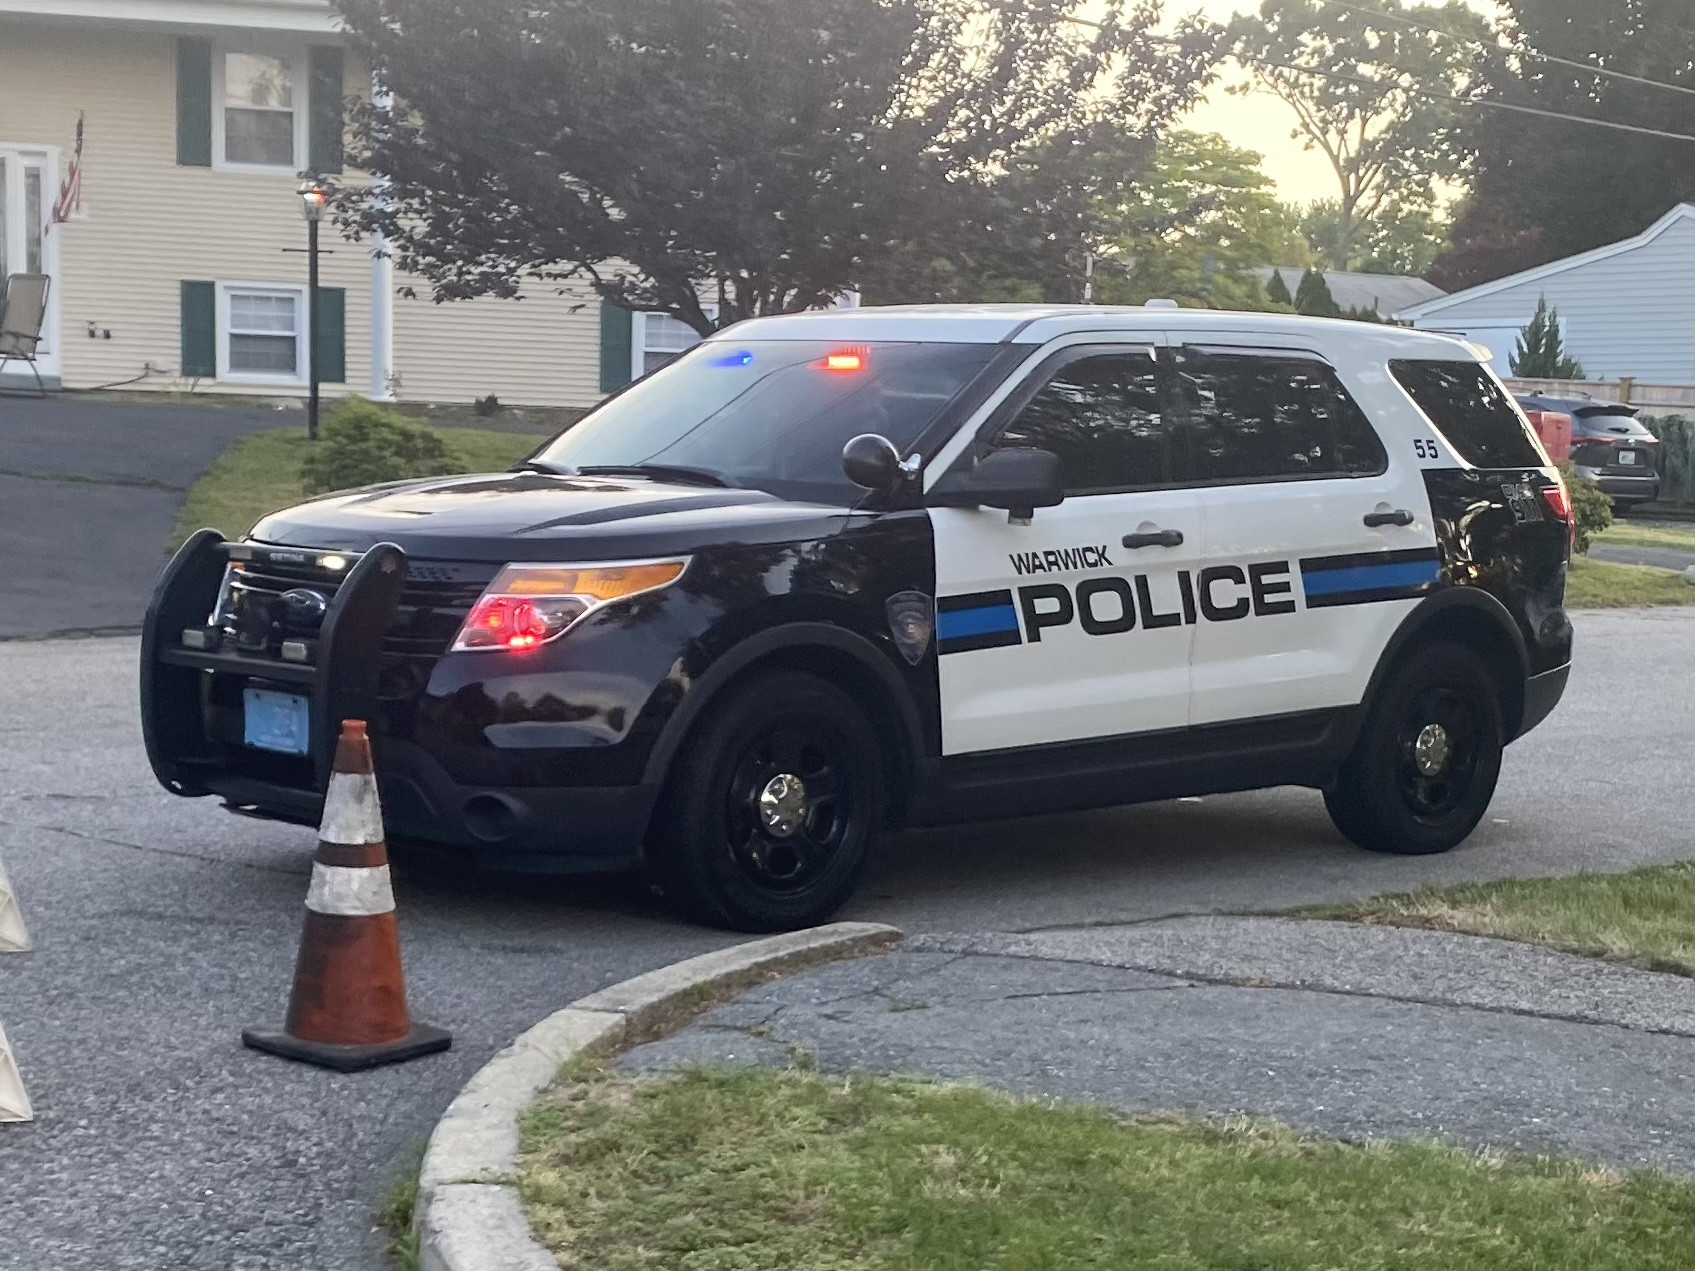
(70,189)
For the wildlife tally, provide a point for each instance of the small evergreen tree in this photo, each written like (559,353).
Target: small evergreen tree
(1277,291)
(1313,296)
(1539,354)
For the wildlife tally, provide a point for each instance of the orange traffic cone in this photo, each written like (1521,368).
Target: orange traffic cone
(348,1007)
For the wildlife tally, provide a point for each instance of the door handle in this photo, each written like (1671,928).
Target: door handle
(1400,516)
(1157,538)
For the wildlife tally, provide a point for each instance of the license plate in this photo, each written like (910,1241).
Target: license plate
(276,721)
(1627,456)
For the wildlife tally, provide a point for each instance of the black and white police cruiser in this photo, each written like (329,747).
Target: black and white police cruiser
(834,572)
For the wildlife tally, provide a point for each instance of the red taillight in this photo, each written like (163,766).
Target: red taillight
(1559,500)
(507,620)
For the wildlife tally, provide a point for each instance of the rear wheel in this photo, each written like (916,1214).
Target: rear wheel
(771,807)
(1429,753)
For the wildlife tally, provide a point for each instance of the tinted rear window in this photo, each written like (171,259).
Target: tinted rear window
(1471,411)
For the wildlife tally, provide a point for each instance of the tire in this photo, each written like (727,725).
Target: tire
(724,857)
(1394,795)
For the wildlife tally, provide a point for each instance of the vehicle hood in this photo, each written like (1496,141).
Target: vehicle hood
(541,516)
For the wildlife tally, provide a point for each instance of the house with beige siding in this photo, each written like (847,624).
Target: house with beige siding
(182,266)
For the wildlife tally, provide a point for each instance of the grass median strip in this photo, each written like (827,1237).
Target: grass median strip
(261,473)
(790,1168)
(1677,537)
(1599,584)
(1645,917)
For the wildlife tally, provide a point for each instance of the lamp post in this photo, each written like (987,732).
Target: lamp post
(313,195)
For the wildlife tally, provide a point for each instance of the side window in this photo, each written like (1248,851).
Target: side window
(1471,411)
(1102,416)
(1254,417)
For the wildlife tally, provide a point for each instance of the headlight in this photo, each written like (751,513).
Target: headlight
(527,605)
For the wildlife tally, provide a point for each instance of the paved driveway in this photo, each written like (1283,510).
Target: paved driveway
(166,925)
(89,493)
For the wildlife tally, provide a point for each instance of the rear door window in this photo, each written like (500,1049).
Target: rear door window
(1268,416)
(1468,407)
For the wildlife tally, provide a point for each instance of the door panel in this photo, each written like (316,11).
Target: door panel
(1312,593)
(1054,631)
(1057,630)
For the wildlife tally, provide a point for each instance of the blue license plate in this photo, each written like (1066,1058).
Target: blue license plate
(276,721)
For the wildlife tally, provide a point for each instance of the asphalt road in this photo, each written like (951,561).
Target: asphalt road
(164,926)
(89,493)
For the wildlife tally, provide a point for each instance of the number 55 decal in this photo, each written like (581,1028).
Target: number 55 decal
(1425,449)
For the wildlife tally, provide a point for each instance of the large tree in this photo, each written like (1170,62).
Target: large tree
(774,153)
(1546,188)
(1370,94)
(1193,224)
(1397,239)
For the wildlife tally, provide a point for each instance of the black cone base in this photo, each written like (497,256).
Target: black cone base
(422,1040)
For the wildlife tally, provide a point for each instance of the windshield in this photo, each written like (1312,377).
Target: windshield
(772,414)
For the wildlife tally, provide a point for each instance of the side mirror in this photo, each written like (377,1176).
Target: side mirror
(871,460)
(1018,479)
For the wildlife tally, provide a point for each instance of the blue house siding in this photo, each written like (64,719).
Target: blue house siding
(1624,310)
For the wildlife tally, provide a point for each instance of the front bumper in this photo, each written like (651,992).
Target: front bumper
(517,827)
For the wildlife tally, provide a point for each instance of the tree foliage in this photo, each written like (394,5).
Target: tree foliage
(1538,354)
(1399,239)
(1277,291)
(774,152)
(1367,94)
(1548,188)
(1312,296)
(364,443)
(1201,216)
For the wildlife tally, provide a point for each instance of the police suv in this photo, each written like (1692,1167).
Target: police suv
(834,572)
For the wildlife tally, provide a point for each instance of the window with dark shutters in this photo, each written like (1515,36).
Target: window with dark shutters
(614,347)
(194,102)
(324,106)
(199,324)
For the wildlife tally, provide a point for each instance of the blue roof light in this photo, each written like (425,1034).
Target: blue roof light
(741,357)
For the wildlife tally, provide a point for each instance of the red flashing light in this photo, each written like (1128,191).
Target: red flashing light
(845,360)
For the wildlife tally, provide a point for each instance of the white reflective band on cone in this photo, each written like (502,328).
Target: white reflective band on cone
(350,891)
(352,814)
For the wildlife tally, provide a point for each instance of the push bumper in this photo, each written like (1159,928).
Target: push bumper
(1541,694)
(524,828)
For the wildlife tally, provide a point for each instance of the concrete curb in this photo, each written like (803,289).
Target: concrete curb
(469,1216)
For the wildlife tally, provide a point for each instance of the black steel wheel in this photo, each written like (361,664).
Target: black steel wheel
(771,806)
(1428,755)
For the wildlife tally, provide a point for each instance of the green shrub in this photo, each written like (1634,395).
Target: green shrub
(1677,456)
(362,443)
(1591,508)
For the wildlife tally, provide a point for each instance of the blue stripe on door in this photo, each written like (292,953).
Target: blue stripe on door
(982,621)
(1391,574)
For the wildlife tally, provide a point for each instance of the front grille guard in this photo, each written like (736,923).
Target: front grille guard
(341,684)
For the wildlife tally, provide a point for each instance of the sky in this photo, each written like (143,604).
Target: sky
(1259,121)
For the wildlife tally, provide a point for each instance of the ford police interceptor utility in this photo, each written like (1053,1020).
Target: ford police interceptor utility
(833,572)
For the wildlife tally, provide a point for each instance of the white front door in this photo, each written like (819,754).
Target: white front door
(28,187)
(1072,627)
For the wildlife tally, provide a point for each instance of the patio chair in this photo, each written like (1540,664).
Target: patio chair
(23,310)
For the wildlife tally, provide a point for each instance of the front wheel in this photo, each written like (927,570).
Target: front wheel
(1429,753)
(771,807)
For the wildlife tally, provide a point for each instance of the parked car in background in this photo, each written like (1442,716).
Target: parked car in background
(1609,445)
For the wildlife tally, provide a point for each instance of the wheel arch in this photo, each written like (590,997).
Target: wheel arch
(1476,619)
(847,660)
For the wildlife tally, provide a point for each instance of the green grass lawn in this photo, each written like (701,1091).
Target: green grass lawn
(1679,536)
(1646,917)
(261,473)
(762,1168)
(1599,584)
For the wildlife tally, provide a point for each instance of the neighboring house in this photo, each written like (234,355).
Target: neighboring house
(1380,293)
(1626,309)
(184,265)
